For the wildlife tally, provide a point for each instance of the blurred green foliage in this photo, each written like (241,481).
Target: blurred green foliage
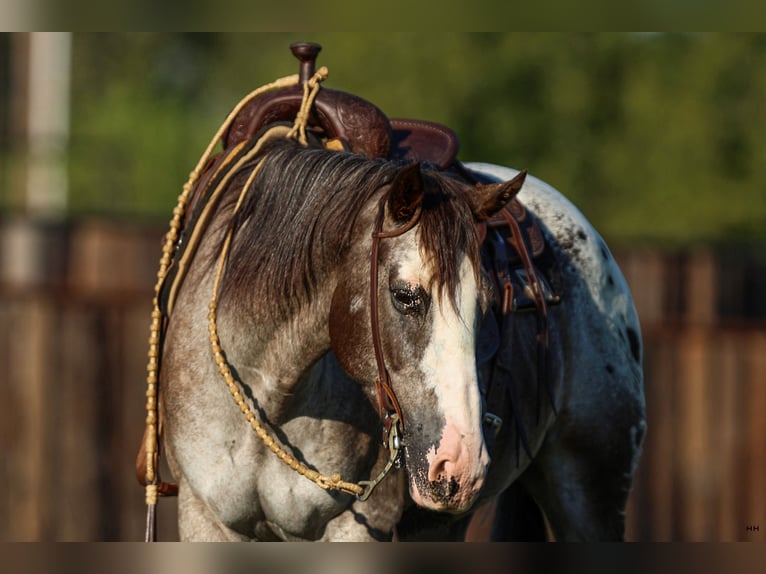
(656,137)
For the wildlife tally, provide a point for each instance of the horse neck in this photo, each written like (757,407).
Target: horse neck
(278,350)
(280,347)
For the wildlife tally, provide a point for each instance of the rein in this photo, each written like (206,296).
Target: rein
(147,463)
(388,405)
(363,489)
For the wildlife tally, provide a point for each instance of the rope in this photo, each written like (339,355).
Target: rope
(151,433)
(310,91)
(167,255)
(154,487)
(332,482)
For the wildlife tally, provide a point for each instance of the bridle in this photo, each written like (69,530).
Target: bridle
(388,405)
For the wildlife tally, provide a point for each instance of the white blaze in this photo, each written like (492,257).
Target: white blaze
(449,365)
(449,369)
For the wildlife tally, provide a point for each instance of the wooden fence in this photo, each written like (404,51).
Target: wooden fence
(74,306)
(703,473)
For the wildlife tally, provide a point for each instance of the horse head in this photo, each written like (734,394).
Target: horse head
(424,300)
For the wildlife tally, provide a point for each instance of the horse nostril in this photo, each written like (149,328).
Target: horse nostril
(441,469)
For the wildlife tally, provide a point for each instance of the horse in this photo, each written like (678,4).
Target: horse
(347,299)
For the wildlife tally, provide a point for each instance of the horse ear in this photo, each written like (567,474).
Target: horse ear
(493,197)
(406,193)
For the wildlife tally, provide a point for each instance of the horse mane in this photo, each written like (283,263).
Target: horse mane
(301,212)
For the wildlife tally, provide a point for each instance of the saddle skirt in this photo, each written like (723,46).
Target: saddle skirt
(523,275)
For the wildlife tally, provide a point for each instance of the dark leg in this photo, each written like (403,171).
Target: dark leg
(517,517)
(583,487)
(418,524)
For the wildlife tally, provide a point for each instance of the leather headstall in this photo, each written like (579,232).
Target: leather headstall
(387,401)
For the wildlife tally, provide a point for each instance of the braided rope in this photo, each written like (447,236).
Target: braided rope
(171,237)
(332,482)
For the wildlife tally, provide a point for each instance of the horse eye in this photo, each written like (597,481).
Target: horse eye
(408,300)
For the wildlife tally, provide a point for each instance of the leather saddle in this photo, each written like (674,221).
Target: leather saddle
(344,121)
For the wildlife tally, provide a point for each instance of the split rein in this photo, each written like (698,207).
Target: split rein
(389,409)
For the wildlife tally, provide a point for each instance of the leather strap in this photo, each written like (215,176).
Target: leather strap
(501,384)
(387,401)
(542,312)
(499,254)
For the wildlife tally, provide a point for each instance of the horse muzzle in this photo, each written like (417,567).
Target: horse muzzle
(450,477)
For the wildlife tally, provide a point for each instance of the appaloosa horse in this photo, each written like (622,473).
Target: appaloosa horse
(343,271)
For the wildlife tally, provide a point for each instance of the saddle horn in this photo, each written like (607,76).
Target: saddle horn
(307,53)
(360,126)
